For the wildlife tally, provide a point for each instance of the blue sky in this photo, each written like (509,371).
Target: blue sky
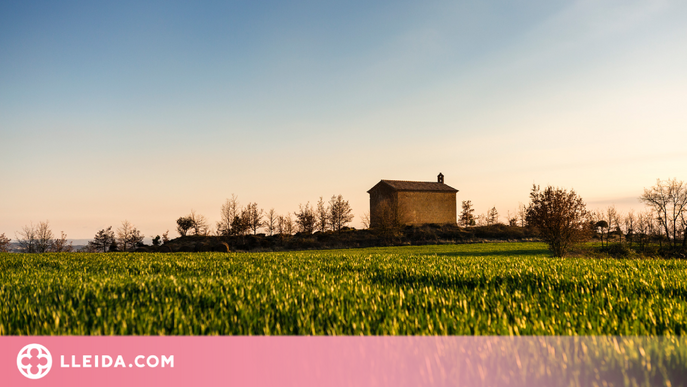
(145,110)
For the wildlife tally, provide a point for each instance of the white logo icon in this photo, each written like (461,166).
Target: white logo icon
(34,361)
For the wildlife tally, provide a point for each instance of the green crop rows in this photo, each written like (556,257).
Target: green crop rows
(485,289)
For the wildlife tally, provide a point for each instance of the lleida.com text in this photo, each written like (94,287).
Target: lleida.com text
(107,361)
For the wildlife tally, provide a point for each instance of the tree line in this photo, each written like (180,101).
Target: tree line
(124,238)
(237,220)
(40,239)
(37,239)
(563,219)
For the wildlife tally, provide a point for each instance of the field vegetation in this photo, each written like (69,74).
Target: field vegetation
(473,289)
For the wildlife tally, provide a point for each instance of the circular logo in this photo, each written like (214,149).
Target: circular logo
(34,361)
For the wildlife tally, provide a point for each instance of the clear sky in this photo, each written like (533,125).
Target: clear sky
(144,110)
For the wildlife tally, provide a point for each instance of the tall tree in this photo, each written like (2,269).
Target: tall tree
(128,236)
(492,216)
(136,238)
(230,210)
(281,225)
(466,216)
(323,217)
(522,214)
(598,224)
(241,223)
(612,217)
(271,220)
(560,216)
(644,227)
(305,219)
(44,237)
(27,239)
(340,213)
(669,200)
(103,240)
(285,225)
(254,217)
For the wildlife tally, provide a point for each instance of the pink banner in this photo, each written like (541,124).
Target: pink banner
(324,361)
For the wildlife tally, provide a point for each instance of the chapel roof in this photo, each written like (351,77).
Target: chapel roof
(403,185)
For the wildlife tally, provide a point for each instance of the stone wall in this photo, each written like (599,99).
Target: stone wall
(415,207)
(427,207)
(379,197)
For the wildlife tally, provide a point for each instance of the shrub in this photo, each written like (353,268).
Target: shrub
(560,216)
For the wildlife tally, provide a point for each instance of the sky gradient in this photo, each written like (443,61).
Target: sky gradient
(143,111)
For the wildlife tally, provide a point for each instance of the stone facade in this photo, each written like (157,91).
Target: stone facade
(412,202)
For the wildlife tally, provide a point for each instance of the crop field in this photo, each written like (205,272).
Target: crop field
(478,289)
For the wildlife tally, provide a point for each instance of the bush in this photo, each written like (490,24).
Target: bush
(560,216)
(618,250)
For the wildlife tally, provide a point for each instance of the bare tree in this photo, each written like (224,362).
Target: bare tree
(128,236)
(103,240)
(340,213)
(620,226)
(165,237)
(560,216)
(136,238)
(4,243)
(200,224)
(285,225)
(492,216)
(644,227)
(613,219)
(271,220)
(669,200)
(44,237)
(481,220)
(322,215)
(254,217)
(467,217)
(365,219)
(598,224)
(522,214)
(27,239)
(35,239)
(230,210)
(281,225)
(629,224)
(61,245)
(305,219)
(122,238)
(683,219)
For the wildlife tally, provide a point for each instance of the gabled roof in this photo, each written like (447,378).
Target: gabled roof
(402,185)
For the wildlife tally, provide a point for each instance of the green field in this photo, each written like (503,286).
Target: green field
(477,289)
